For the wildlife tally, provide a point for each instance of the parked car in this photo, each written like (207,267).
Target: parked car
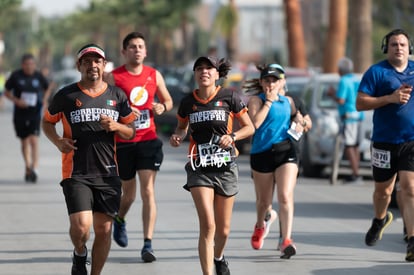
(318,144)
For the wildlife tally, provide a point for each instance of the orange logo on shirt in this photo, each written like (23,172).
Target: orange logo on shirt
(78,103)
(194,107)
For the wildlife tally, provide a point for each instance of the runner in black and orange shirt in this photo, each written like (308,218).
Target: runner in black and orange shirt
(212,173)
(92,113)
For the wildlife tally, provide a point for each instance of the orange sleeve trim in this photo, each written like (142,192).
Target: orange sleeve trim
(128,119)
(52,118)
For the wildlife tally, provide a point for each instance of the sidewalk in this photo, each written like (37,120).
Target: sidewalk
(329,225)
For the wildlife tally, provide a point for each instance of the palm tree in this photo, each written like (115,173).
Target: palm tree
(337,32)
(296,40)
(225,23)
(361,33)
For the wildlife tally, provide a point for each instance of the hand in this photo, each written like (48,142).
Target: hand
(404,93)
(108,123)
(136,112)
(20,103)
(175,140)
(158,108)
(66,145)
(273,94)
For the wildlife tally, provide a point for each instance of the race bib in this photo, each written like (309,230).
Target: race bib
(212,155)
(143,121)
(381,158)
(29,98)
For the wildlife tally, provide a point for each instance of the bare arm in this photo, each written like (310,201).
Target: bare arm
(166,102)
(258,110)
(399,96)
(16,101)
(179,134)
(246,127)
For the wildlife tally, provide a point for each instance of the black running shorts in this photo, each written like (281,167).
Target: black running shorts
(387,159)
(138,156)
(99,195)
(27,127)
(268,161)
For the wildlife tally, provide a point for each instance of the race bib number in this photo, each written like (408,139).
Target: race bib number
(213,155)
(381,158)
(29,98)
(143,122)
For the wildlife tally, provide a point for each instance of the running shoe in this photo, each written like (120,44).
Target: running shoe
(288,249)
(259,234)
(120,233)
(79,264)
(410,250)
(257,239)
(147,254)
(270,218)
(374,234)
(222,267)
(30,176)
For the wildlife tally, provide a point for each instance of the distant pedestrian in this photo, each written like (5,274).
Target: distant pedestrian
(92,113)
(29,90)
(345,96)
(212,172)
(386,88)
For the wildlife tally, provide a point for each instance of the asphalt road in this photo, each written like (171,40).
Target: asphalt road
(329,225)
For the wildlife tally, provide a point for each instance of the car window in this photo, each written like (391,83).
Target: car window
(324,100)
(296,89)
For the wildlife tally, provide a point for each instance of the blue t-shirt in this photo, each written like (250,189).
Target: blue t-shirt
(393,123)
(274,128)
(348,90)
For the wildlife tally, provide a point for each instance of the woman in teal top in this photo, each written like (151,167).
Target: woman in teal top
(273,157)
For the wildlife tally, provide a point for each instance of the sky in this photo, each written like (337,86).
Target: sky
(54,7)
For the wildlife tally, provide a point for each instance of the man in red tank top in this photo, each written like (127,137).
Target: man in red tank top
(143,154)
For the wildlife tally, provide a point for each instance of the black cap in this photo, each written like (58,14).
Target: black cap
(273,70)
(207,59)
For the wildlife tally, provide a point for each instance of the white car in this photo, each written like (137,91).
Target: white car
(318,145)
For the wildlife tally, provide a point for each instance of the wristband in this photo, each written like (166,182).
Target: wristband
(268,100)
(233,136)
(165,107)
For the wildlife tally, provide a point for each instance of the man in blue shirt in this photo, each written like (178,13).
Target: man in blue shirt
(345,96)
(386,88)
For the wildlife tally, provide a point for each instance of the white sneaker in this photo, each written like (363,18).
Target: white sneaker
(268,223)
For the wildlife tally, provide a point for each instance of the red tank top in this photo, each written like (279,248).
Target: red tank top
(140,90)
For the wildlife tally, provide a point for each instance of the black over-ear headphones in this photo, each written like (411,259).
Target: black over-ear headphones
(386,39)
